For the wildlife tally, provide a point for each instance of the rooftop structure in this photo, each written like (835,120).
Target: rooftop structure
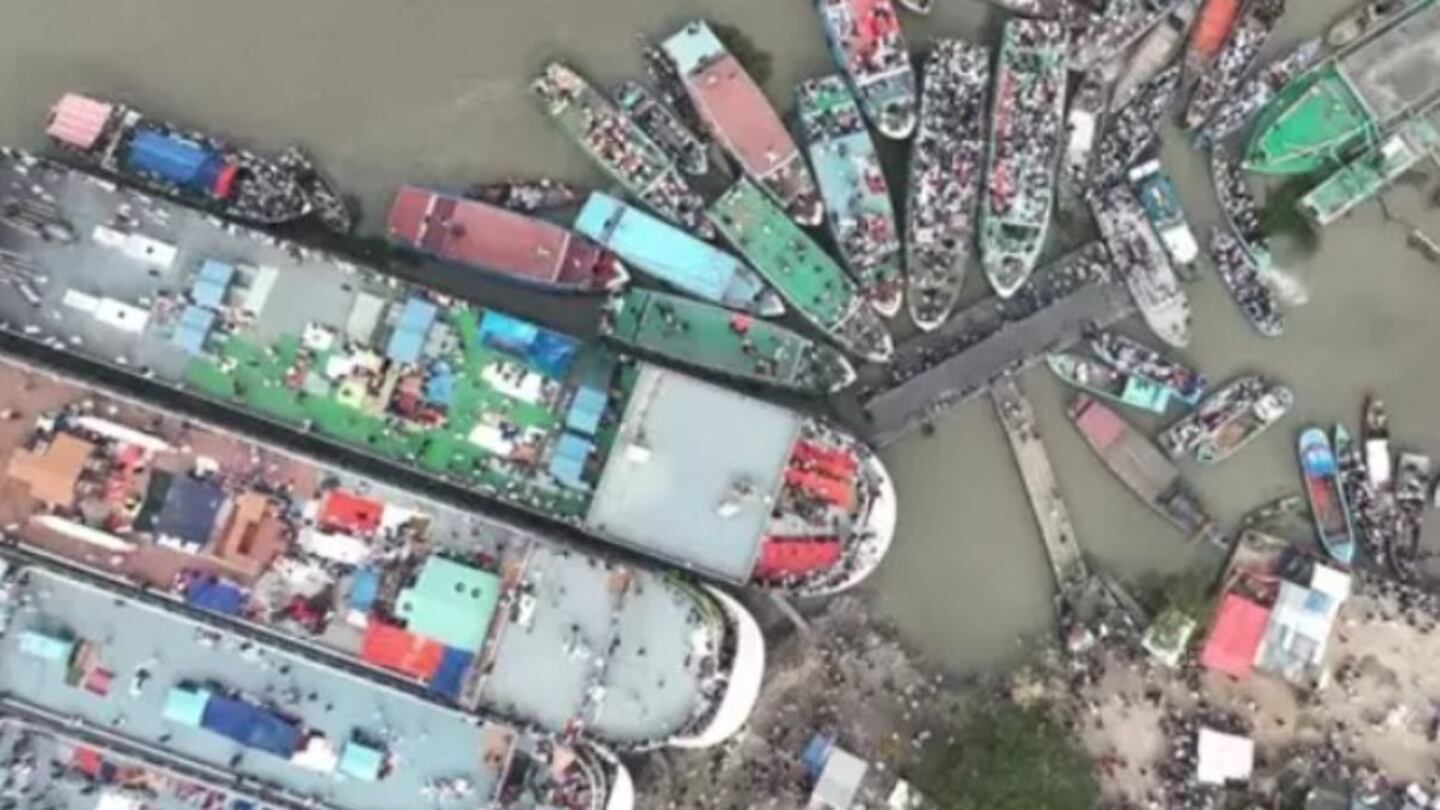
(515,412)
(476,614)
(480,236)
(1359,93)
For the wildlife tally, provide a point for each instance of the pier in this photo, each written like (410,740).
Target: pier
(1056,530)
(947,367)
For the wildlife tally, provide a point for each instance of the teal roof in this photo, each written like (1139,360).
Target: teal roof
(653,246)
(451,603)
(185,705)
(1146,394)
(692,46)
(361,761)
(46,646)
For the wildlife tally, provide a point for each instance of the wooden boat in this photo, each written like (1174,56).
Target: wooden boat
(1234,434)
(1321,475)
(1098,378)
(1134,357)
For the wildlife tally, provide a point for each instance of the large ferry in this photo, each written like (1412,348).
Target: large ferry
(415,596)
(1321,475)
(1141,467)
(868,44)
(1130,130)
(1110,34)
(1217,18)
(946,162)
(1142,262)
(731,343)
(618,146)
(1357,94)
(1026,137)
(1258,91)
(669,254)
(537,426)
(807,278)
(510,245)
(664,126)
(1156,51)
(737,113)
(858,208)
(194,167)
(1234,60)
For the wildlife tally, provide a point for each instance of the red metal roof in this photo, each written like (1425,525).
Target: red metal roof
(793,556)
(1235,636)
(1100,425)
(396,648)
(485,236)
(78,120)
(737,109)
(352,513)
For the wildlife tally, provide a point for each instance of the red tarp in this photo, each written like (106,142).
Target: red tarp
(1235,636)
(791,556)
(833,492)
(834,463)
(225,181)
(87,760)
(396,648)
(351,513)
(78,121)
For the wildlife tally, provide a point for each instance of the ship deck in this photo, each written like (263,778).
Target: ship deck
(298,339)
(1397,69)
(430,742)
(847,170)
(1369,173)
(632,620)
(783,254)
(710,337)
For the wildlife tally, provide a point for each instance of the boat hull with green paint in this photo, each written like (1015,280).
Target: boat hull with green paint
(713,338)
(1103,380)
(1369,173)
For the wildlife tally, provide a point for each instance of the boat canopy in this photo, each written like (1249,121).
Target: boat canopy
(179,161)
(78,120)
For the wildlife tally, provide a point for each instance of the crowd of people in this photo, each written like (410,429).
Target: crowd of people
(1217,409)
(1027,124)
(1237,201)
(1257,299)
(1233,61)
(664,126)
(1136,358)
(1133,128)
(1258,91)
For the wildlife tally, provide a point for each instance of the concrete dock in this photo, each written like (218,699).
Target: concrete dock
(948,367)
(1056,530)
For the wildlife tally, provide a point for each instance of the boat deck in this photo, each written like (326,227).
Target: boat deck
(1371,172)
(301,338)
(783,254)
(430,742)
(1398,68)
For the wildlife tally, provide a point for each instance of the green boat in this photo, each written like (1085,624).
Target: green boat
(1356,95)
(1101,379)
(805,276)
(697,334)
(1370,172)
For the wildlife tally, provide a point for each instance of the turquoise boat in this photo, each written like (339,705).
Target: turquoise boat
(665,252)
(1321,473)
(1103,380)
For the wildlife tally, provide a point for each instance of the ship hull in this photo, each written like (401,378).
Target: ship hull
(1319,472)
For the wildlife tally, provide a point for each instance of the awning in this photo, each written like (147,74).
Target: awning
(1235,637)
(78,121)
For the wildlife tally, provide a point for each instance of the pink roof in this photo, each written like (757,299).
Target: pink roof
(78,120)
(488,237)
(1097,423)
(1235,636)
(734,106)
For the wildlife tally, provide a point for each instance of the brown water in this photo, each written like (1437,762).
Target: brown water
(433,91)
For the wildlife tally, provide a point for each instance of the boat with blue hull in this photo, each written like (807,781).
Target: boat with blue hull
(1321,474)
(868,44)
(858,208)
(658,249)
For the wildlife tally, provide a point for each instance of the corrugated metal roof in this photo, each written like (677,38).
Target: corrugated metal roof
(78,120)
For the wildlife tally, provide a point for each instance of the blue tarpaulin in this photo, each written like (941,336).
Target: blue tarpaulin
(178,161)
(410,330)
(364,587)
(567,463)
(449,678)
(211,283)
(186,705)
(440,385)
(547,352)
(361,760)
(193,328)
(251,726)
(585,410)
(216,596)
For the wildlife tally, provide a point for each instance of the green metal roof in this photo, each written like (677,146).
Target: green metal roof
(1308,126)
(451,603)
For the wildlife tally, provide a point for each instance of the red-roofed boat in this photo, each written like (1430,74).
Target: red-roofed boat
(477,235)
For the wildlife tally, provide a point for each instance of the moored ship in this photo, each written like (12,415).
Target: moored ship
(510,245)
(1233,61)
(867,43)
(1133,357)
(1141,467)
(1255,298)
(1141,260)
(1238,204)
(1212,27)
(618,146)
(1217,409)
(735,110)
(1110,34)
(194,167)
(1370,172)
(671,255)
(1362,90)
(1096,377)
(1257,91)
(1082,129)
(1165,211)
(527,423)
(730,343)
(858,208)
(947,160)
(1026,135)
(1156,51)
(1234,434)
(807,278)
(664,127)
(1132,129)
(1321,476)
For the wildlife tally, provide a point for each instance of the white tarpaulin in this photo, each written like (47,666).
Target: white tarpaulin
(1224,758)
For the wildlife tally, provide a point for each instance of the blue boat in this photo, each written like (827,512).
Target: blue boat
(657,248)
(1321,473)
